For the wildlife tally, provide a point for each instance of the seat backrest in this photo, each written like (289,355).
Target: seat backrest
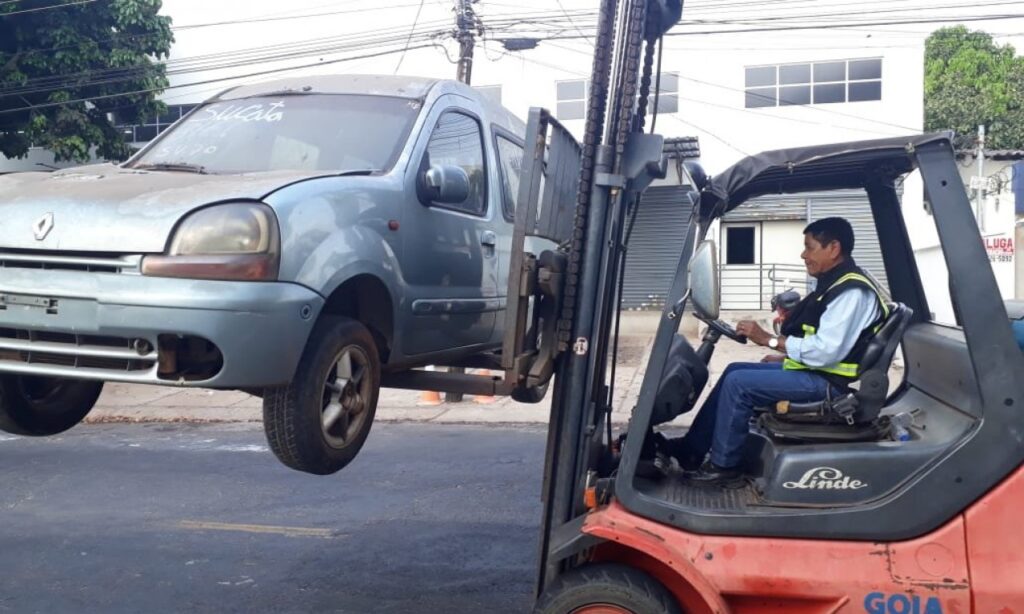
(874,367)
(882,347)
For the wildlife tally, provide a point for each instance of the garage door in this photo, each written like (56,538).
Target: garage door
(654,246)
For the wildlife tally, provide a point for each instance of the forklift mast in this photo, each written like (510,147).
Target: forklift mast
(617,162)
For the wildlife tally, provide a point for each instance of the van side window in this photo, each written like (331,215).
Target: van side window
(510,158)
(457,140)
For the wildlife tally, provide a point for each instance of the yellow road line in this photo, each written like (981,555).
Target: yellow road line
(258,528)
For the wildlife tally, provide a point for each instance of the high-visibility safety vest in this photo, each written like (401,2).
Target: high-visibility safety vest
(805,318)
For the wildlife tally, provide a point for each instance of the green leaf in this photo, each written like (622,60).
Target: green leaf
(60,55)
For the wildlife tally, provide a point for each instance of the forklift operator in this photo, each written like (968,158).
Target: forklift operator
(822,341)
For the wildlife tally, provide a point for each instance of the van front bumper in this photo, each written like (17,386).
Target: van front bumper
(109,326)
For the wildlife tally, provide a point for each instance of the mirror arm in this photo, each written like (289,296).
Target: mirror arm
(677,309)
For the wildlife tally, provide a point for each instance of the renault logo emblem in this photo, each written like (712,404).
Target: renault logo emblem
(43,226)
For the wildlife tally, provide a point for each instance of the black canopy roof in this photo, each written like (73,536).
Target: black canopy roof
(805,169)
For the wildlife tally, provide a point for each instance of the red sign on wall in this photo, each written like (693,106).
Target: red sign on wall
(999,249)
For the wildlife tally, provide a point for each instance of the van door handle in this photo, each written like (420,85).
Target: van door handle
(488,238)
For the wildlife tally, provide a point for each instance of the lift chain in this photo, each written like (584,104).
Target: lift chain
(597,107)
(635,20)
(645,85)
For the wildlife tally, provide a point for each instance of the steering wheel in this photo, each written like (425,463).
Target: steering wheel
(723,329)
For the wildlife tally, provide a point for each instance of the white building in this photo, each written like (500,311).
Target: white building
(742,76)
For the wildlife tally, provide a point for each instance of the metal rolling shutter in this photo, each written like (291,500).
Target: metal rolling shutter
(854,206)
(654,247)
(772,207)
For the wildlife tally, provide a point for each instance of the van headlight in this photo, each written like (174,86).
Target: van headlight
(233,241)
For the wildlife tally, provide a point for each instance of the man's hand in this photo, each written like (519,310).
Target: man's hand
(753,331)
(773,358)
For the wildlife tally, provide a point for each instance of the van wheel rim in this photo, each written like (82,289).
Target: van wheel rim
(347,391)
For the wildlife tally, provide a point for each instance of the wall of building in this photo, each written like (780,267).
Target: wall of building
(38,159)
(998,232)
(782,242)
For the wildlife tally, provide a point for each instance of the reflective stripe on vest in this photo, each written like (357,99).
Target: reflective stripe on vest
(843,369)
(861,278)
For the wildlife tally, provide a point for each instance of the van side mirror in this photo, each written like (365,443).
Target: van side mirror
(444,184)
(704,290)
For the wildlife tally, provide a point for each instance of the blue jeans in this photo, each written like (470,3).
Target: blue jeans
(723,421)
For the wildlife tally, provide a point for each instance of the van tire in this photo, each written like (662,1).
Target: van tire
(317,424)
(524,394)
(39,406)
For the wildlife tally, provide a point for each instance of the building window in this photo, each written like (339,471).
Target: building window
(491,92)
(813,83)
(668,98)
(149,129)
(571,99)
(739,245)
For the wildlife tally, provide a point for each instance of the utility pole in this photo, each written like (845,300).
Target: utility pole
(466,24)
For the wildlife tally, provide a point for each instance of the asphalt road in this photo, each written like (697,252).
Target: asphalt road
(176,518)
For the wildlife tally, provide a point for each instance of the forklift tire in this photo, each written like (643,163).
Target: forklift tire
(38,406)
(606,587)
(319,422)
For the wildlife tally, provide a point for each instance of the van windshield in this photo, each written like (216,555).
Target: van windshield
(310,132)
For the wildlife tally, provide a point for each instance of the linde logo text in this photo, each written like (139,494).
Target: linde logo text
(825,478)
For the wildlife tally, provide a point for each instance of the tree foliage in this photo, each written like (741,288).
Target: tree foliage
(970,80)
(66,64)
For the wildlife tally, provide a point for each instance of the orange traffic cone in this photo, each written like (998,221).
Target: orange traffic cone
(430,397)
(484,400)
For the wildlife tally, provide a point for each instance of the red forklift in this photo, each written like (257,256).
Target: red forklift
(837,513)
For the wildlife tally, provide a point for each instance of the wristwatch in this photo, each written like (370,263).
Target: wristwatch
(773,343)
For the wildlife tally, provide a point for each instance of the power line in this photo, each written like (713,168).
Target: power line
(225,60)
(206,81)
(564,12)
(293,17)
(409,39)
(122,36)
(47,8)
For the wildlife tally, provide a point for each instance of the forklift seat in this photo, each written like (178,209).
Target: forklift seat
(853,416)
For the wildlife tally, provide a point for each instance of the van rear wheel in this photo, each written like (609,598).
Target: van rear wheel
(319,422)
(38,406)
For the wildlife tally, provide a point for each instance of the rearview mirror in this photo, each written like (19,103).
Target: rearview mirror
(704,290)
(445,184)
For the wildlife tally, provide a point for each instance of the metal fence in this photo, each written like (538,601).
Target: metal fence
(750,287)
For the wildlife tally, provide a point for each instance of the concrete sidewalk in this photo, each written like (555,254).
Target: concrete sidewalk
(134,403)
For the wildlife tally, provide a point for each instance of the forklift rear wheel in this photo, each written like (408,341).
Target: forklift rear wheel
(38,406)
(606,589)
(319,422)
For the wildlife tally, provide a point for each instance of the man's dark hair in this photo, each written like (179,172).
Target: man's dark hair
(829,229)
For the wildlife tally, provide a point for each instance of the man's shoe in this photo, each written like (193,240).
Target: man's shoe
(711,474)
